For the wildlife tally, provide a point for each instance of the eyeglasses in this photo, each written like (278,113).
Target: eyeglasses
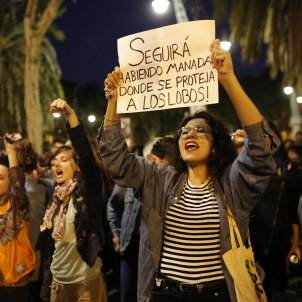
(199,131)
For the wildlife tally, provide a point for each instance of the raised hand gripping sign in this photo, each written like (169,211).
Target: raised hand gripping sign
(168,67)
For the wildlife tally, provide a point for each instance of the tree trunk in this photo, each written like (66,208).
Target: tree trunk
(35,30)
(32,97)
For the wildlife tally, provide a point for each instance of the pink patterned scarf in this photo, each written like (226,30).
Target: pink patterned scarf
(55,213)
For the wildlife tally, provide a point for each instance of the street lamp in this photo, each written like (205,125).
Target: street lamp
(56,114)
(295,120)
(288,90)
(91,118)
(160,6)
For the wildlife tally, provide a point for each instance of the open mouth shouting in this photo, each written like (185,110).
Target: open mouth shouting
(58,173)
(191,145)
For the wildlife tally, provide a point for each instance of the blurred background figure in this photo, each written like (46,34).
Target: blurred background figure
(274,225)
(37,196)
(298,138)
(294,155)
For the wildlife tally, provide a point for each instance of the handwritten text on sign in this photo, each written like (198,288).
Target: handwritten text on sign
(169,67)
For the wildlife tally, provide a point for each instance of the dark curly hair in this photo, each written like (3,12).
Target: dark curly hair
(225,151)
(27,157)
(166,147)
(4,160)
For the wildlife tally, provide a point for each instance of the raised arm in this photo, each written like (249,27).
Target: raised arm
(126,169)
(247,112)
(249,174)
(87,163)
(11,154)
(111,83)
(61,106)
(17,180)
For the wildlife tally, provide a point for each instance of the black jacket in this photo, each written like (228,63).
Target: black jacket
(274,215)
(93,235)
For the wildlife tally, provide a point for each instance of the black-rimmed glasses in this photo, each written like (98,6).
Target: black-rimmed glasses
(199,131)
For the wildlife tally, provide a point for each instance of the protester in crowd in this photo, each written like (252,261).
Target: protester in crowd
(76,218)
(17,258)
(57,143)
(184,225)
(298,138)
(274,226)
(294,154)
(123,210)
(164,152)
(288,143)
(37,196)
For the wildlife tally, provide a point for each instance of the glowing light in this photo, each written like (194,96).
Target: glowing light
(299,99)
(288,90)
(160,6)
(226,45)
(56,114)
(91,118)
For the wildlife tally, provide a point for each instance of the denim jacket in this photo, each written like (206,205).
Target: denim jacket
(123,211)
(240,186)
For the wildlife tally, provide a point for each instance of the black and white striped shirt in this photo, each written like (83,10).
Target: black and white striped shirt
(191,247)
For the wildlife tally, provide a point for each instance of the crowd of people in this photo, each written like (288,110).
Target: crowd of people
(72,216)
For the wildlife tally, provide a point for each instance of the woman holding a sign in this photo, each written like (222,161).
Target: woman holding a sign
(184,228)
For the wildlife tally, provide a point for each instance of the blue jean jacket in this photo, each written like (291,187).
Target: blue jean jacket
(241,186)
(123,213)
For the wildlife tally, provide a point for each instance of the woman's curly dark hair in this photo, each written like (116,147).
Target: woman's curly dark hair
(225,151)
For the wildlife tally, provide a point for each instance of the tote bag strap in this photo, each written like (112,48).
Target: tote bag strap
(236,239)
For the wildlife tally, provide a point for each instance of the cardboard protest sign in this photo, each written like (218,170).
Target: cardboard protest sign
(168,67)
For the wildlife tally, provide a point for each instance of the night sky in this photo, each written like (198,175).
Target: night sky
(92,28)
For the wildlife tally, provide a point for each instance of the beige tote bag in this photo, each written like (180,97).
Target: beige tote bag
(240,263)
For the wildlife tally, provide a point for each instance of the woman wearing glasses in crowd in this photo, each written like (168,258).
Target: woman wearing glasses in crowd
(184,230)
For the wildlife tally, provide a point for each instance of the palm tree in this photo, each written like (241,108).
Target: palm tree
(12,69)
(277,23)
(180,11)
(38,17)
